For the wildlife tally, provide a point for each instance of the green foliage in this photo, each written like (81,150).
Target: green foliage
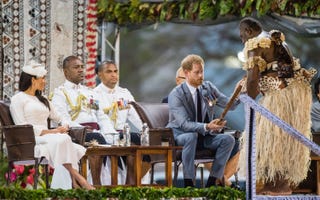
(136,11)
(206,13)
(227,7)
(123,193)
(3,169)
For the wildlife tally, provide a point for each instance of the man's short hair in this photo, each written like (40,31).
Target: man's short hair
(106,62)
(67,60)
(189,60)
(251,23)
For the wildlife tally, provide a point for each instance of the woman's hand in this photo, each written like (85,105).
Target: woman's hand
(59,129)
(62,129)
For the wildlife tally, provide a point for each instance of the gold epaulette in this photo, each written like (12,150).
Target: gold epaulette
(113,110)
(75,109)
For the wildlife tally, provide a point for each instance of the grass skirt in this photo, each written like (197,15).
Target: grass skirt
(279,154)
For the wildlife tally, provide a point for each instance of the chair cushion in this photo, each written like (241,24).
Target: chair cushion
(156,115)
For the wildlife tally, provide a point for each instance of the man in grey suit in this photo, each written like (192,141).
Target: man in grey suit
(191,119)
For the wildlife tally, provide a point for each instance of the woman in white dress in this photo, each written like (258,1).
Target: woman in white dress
(29,107)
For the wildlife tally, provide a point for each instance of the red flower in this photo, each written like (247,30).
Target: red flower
(32,171)
(23,185)
(13,176)
(30,179)
(51,170)
(19,169)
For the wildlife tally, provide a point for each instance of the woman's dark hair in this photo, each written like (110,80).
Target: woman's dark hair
(316,88)
(25,82)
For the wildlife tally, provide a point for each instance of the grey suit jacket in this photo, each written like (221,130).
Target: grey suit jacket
(182,111)
(315,116)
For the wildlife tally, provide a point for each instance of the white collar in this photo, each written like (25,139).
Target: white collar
(71,85)
(192,89)
(107,89)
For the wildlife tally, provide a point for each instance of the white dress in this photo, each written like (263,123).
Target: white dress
(56,148)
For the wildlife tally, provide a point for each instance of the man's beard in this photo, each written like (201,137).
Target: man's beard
(197,82)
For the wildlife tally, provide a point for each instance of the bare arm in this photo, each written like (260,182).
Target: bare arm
(252,82)
(253,73)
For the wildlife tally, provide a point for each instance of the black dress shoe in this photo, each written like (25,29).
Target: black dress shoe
(211,181)
(235,186)
(188,183)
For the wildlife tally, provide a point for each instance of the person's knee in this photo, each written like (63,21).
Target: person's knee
(64,139)
(187,139)
(192,137)
(229,140)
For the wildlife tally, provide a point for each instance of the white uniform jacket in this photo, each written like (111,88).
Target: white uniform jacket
(114,103)
(80,104)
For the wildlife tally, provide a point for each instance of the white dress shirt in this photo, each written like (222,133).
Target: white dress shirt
(118,97)
(193,92)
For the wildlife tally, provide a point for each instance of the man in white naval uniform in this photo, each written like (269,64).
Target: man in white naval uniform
(79,105)
(115,103)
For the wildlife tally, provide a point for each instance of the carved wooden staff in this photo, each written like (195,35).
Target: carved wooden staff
(232,99)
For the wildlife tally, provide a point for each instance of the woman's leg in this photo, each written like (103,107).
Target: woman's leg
(75,176)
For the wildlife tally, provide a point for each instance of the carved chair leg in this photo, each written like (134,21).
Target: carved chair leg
(46,166)
(36,173)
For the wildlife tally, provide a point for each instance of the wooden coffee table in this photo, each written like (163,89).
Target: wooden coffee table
(137,152)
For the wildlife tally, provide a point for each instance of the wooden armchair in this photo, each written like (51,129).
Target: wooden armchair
(20,142)
(156,115)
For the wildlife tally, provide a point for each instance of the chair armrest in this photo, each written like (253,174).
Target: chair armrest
(17,126)
(78,134)
(157,135)
(20,142)
(16,134)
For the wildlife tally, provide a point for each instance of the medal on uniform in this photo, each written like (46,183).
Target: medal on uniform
(211,102)
(123,104)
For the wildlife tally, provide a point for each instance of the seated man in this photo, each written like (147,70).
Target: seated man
(191,119)
(180,78)
(114,101)
(232,164)
(79,106)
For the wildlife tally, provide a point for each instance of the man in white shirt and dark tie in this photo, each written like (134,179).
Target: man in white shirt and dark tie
(191,118)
